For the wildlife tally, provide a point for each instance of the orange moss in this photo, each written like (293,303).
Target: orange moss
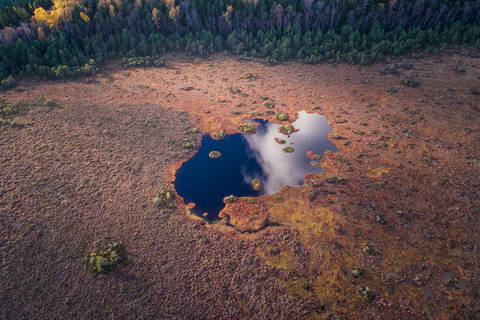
(246,214)
(377,172)
(280,258)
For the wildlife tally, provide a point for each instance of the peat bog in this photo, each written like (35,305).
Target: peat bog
(386,231)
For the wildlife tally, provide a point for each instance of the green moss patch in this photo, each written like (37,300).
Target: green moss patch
(189,145)
(248,76)
(269,105)
(257,184)
(281,116)
(286,130)
(336,180)
(218,135)
(411,82)
(230,199)
(145,61)
(247,128)
(215,154)
(106,259)
(9,110)
(164,199)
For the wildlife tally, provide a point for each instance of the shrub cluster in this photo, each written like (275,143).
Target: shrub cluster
(146,61)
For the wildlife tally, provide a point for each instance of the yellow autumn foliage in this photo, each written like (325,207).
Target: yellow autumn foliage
(84,17)
(49,18)
(174,13)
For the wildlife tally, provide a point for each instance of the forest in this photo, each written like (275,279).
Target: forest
(63,38)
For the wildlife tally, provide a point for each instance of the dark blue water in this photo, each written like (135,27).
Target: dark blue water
(206,181)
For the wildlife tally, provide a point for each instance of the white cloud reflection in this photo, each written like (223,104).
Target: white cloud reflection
(280,168)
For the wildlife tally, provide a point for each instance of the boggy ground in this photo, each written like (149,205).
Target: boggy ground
(393,234)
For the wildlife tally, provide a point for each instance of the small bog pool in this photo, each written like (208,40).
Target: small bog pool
(267,158)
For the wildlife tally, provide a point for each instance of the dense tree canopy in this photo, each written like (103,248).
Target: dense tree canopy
(60,38)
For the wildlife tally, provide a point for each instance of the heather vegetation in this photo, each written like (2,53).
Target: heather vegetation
(61,38)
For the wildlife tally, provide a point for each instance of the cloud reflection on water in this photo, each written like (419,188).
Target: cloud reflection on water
(280,168)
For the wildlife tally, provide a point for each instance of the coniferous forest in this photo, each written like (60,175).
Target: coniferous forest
(62,38)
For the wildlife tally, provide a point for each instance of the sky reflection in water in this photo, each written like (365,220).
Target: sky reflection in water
(207,181)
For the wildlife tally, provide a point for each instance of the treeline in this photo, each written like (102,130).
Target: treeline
(74,36)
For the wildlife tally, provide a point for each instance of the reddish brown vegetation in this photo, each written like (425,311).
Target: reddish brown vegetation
(399,201)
